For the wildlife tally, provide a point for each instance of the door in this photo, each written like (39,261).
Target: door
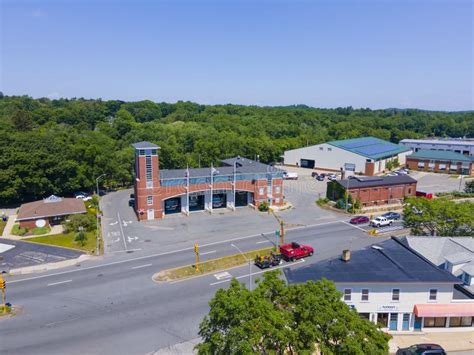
(173,205)
(418,322)
(241,198)
(393,321)
(150,214)
(307,163)
(406,321)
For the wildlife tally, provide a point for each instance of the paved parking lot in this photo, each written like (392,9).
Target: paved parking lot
(122,232)
(17,254)
(432,182)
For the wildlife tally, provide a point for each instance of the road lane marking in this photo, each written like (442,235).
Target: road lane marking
(263,241)
(140,266)
(208,252)
(144,257)
(121,230)
(352,225)
(125,251)
(222,275)
(60,282)
(258,272)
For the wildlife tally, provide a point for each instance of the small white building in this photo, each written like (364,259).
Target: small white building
(366,155)
(456,145)
(393,286)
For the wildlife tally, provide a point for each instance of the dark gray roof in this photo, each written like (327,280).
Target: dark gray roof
(372,181)
(387,262)
(244,166)
(144,145)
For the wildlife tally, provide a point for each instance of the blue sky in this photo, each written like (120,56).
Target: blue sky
(376,54)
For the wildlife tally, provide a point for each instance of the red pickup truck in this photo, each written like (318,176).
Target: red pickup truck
(294,251)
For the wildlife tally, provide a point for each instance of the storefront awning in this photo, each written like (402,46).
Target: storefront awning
(444,310)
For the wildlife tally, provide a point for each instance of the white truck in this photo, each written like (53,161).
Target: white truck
(288,175)
(381,222)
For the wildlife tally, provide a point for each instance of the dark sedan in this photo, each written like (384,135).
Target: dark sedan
(422,349)
(392,215)
(359,220)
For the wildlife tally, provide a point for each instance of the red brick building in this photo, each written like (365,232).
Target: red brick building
(238,182)
(440,161)
(374,190)
(50,211)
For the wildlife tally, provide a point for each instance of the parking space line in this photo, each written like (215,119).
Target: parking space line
(258,272)
(60,282)
(263,241)
(140,266)
(208,252)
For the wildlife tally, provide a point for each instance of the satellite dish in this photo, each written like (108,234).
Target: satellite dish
(40,223)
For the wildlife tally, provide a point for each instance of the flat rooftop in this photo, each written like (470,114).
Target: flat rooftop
(374,181)
(453,141)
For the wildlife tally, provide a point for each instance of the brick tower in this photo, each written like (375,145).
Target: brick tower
(147,181)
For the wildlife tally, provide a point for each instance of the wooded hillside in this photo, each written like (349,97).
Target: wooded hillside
(60,146)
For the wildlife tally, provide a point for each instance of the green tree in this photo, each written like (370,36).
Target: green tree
(81,238)
(276,318)
(439,217)
(74,222)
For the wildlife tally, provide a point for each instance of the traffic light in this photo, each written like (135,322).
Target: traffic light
(3,284)
(196,248)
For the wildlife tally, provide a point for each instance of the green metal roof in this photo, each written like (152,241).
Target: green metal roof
(370,147)
(444,155)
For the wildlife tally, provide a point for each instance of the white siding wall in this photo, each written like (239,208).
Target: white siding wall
(451,146)
(333,159)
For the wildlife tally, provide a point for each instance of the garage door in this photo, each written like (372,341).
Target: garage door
(196,202)
(173,205)
(219,200)
(307,163)
(241,198)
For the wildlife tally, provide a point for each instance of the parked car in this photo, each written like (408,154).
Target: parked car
(402,172)
(359,220)
(428,195)
(131,202)
(381,222)
(264,262)
(290,175)
(217,202)
(393,173)
(392,215)
(132,195)
(320,177)
(332,177)
(314,174)
(82,196)
(422,349)
(293,251)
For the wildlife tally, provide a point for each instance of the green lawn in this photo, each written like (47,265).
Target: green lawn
(67,240)
(209,266)
(2,226)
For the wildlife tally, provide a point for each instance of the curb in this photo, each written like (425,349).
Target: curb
(49,266)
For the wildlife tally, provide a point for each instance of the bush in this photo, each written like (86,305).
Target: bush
(263,206)
(16,230)
(469,188)
(81,238)
(322,201)
(86,221)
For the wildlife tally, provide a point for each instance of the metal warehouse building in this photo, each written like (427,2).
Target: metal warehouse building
(366,155)
(238,182)
(456,145)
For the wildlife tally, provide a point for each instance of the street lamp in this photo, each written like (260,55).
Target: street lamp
(97,247)
(250,265)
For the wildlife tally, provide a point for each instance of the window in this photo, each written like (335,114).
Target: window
(329,149)
(460,321)
(364,294)
(148,168)
(365,315)
(421,164)
(433,294)
(396,294)
(277,189)
(149,200)
(409,190)
(442,166)
(261,191)
(347,294)
(434,322)
(321,148)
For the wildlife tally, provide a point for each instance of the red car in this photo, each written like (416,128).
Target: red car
(359,220)
(293,251)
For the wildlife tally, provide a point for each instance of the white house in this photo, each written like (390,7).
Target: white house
(392,285)
(366,155)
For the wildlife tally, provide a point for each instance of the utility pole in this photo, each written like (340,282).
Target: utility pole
(3,286)
(196,251)
(97,247)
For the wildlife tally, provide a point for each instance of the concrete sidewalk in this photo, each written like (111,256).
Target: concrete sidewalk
(460,340)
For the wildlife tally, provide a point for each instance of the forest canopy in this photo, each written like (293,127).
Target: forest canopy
(61,146)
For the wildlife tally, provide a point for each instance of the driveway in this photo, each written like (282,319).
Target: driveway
(123,233)
(432,182)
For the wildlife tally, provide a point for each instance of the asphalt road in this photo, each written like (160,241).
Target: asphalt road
(112,306)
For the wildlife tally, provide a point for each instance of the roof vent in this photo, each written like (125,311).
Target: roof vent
(52,199)
(346,255)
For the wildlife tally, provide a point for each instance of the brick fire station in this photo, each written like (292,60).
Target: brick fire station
(237,183)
